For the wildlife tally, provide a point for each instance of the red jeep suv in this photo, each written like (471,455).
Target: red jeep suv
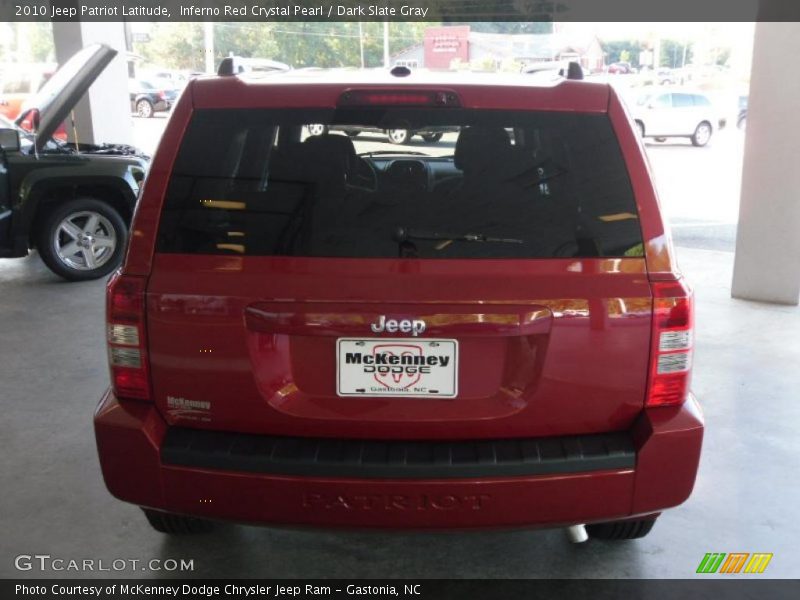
(487,331)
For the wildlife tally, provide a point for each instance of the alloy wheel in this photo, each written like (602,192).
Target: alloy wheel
(398,136)
(85,240)
(144,109)
(702,134)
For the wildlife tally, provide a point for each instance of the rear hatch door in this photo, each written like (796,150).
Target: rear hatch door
(487,285)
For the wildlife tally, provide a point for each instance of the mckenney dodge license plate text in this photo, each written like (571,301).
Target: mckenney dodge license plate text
(417,368)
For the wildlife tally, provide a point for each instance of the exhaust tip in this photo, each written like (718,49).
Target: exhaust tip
(576,534)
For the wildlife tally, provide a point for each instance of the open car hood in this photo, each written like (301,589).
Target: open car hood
(65,88)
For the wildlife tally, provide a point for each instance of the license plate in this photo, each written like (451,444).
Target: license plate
(418,368)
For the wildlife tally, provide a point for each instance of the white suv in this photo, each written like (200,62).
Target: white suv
(665,113)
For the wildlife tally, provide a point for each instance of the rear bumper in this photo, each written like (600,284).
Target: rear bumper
(143,464)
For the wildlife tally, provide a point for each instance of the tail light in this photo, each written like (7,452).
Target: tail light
(402,97)
(162,95)
(672,343)
(126,336)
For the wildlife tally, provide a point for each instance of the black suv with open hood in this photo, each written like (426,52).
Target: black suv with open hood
(72,202)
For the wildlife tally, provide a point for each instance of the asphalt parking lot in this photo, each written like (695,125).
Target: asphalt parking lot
(53,371)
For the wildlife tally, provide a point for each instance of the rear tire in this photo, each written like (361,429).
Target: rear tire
(351,133)
(432,137)
(621,530)
(173,524)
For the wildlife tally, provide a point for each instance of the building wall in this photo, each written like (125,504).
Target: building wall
(443,45)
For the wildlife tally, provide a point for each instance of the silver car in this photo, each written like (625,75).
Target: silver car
(671,113)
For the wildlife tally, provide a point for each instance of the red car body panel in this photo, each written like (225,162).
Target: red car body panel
(574,371)
(548,347)
(129,435)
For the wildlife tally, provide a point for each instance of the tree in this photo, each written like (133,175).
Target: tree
(174,46)
(27,42)
(672,53)
(510,27)
(298,44)
(244,39)
(614,50)
(40,41)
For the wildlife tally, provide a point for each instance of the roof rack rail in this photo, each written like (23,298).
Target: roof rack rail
(227,67)
(236,65)
(574,71)
(400,71)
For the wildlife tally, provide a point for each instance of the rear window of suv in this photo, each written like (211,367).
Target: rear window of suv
(466,184)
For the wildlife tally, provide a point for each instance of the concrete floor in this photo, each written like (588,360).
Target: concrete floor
(53,370)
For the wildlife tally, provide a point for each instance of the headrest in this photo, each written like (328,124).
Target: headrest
(333,149)
(480,147)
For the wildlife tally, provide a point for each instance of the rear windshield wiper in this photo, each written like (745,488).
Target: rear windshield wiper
(383,152)
(402,234)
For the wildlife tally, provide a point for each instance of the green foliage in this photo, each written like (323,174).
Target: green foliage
(299,44)
(28,42)
(510,27)
(722,56)
(40,40)
(251,40)
(174,46)
(672,53)
(622,50)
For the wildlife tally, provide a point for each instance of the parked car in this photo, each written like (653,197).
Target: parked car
(171,79)
(621,68)
(72,203)
(662,113)
(398,135)
(741,117)
(664,76)
(18,84)
(239,65)
(17,88)
(554,69)
(147,98)
(308,332)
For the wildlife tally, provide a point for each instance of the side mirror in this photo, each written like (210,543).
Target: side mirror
(9,140)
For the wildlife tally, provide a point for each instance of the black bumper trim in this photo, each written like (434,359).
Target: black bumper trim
(391,459)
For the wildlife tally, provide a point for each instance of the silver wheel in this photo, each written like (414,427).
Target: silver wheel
(317,129)
(398,136)
(144,109)
(702,134)
(85,240)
